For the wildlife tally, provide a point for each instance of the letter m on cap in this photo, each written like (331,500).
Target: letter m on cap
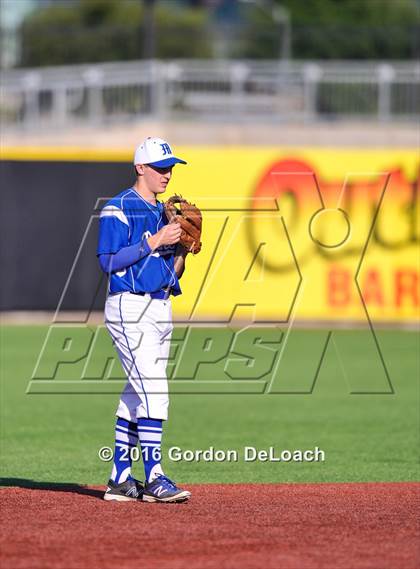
(166,149)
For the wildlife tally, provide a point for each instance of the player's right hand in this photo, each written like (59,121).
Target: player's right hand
(168,235)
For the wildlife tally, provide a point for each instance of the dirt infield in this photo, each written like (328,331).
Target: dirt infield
(281,526)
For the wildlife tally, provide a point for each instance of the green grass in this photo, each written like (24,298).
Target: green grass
(368,437)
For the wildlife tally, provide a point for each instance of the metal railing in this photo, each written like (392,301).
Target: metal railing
(216,90)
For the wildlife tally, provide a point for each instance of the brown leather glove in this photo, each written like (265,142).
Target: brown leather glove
(190,219)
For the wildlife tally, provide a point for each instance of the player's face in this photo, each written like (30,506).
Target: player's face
(156,178)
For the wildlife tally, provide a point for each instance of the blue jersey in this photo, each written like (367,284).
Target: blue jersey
(125,220)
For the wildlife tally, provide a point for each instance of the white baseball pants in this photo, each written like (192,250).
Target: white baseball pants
(141,330)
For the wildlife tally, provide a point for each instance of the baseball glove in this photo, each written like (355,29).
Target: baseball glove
(189,217)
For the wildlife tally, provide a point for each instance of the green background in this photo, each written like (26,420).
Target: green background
(368,437)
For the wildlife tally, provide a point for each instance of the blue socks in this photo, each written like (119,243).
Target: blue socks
(150,437)
(125,440)
(149,433)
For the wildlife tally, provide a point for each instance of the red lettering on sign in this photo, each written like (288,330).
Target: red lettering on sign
(407,287)
(371,288)
(339,287)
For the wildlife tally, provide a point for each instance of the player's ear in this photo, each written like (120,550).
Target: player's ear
(139,169)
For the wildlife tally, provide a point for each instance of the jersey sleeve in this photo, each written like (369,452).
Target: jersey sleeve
(114,230)
(125,257)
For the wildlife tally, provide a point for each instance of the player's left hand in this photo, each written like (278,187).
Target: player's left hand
(190,218)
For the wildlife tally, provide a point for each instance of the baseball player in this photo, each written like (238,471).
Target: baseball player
(138,248)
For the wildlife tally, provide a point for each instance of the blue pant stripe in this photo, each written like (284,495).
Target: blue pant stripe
(132,357)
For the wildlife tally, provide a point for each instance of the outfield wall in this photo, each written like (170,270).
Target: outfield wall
(304,233)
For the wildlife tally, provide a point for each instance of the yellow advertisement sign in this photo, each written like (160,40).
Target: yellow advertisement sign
(309,234)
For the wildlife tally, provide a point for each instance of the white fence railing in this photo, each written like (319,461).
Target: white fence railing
(234,90)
